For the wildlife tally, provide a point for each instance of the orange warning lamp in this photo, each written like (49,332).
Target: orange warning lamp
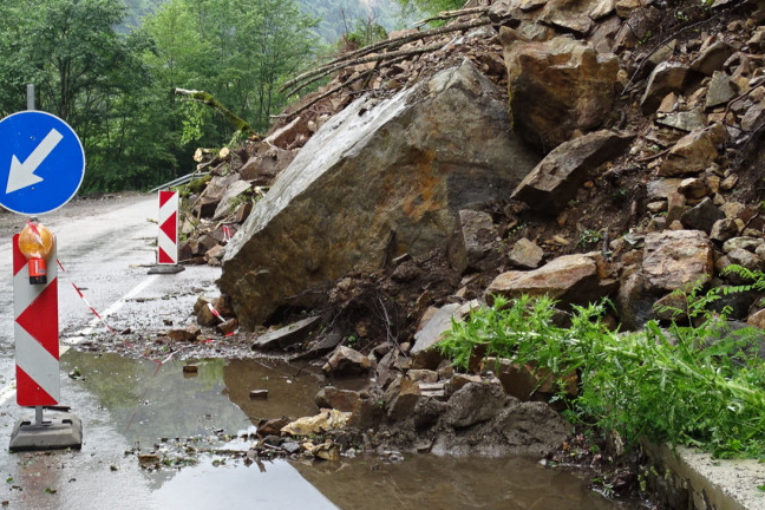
(36,243)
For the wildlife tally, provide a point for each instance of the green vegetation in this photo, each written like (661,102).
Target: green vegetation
(701,385)
(110,72)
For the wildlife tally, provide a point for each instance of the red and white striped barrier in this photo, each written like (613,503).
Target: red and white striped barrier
(167,242)
(35,328)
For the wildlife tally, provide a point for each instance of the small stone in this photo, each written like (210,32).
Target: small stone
(723,229)
(693,187)
(729,182)
(526,253)
(656,207)
(757,319)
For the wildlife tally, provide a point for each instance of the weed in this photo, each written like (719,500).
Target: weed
(589,237)
(698,386)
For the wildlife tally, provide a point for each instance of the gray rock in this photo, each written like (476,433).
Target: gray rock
(702,216)
(377,180)
(431,331)
(720,90)
(475,403)
(742,242)
(229,199)
(533,428)
(287,336)
(480,238)
(684,121)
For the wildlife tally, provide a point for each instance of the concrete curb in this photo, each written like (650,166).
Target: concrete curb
(692,479)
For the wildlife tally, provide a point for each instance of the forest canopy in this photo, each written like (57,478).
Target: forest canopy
(108,68)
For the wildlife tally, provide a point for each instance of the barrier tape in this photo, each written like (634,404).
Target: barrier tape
(129,345)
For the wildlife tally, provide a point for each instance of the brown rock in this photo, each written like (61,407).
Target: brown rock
(558,87)
(665,78)
(187,334)
(526,254)
(712,58)
(693,187)
(702,216)
(723,229)
(675,259)
(228,326)
(757,319)
(692,153)
(333,398)
(556,179)
(570,279)
(346,361)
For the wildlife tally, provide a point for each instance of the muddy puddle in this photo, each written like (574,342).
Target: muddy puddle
(152,405)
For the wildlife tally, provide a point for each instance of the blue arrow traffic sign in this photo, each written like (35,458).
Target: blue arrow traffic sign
(42,162)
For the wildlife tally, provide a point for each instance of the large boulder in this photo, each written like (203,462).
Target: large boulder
(378,180)
(557,87)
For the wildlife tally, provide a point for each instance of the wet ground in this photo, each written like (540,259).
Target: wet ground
(133,403)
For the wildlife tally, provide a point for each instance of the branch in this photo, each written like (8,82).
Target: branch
(453,14)
(363,60)
(338,87)
(208,99)
(395,42)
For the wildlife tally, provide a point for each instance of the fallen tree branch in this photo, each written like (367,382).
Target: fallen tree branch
(453,14)
(364,60)
(389,43)
(337,88)
(208,99)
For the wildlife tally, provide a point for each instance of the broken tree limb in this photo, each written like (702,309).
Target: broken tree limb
(330,66)
(208,99)
(336,88)
(364,60)
(453,14)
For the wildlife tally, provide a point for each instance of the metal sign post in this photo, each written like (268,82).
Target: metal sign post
(45,166)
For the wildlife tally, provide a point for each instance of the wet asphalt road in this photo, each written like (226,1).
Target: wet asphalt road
(106,248)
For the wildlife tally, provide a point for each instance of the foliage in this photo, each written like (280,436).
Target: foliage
(700,386)
(109,73)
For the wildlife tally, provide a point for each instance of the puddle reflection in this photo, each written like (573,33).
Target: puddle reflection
(147,404)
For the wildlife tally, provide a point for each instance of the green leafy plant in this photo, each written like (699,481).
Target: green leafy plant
(700,386)
(589,237)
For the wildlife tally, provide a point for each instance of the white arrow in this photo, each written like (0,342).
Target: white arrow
(23,174)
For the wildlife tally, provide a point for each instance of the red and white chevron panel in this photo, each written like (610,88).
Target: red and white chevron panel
(35,328)
(167,242)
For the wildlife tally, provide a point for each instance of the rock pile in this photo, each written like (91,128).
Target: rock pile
(629,166)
